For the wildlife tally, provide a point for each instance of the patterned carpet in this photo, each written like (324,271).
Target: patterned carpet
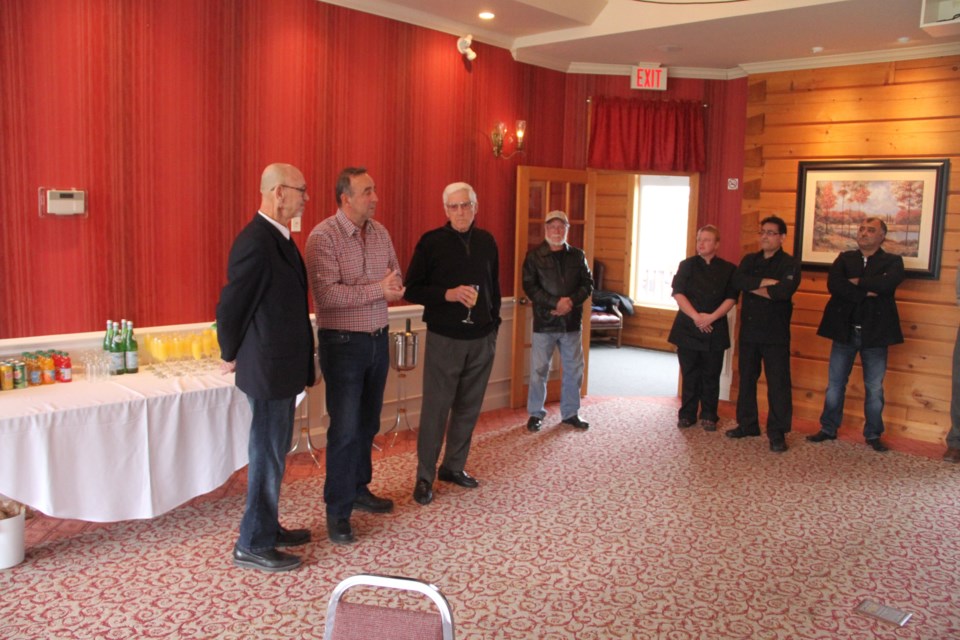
(633,529)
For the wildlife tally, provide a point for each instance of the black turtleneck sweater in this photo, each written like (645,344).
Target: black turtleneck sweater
(444,259)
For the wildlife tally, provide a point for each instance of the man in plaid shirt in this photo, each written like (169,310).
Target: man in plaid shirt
(354,274)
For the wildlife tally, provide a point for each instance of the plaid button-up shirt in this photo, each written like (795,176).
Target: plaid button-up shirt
(345,271)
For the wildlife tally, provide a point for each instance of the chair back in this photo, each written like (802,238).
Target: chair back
(356,621)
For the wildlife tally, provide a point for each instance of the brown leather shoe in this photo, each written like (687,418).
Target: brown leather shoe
(952,455)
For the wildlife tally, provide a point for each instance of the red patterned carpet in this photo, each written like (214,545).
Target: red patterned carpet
(633,529)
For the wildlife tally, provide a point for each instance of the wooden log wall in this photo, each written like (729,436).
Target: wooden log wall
(897,110)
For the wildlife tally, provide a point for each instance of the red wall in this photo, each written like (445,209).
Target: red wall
(166,111)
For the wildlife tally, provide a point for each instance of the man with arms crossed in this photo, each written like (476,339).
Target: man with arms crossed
(861,316)
(353,273)
(263,328)
(454,274)
(557,280)
(768,280)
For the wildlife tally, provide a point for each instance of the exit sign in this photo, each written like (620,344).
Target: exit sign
(652,78)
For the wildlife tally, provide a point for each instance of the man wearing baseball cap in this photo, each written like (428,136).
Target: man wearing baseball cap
(557,280)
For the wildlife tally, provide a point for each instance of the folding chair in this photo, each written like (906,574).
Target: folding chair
(355,621)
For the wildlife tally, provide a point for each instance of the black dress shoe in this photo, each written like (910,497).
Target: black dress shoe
(575,422)
(339,530)
(372,504)
(461,478)
(423,492)
(683,423)
(740,432)
(292,537)
(821,436)
(877,445)
(709,425)
(269,560)
(778,445)
(534,424)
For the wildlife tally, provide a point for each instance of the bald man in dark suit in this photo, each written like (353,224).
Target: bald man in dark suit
(265,336)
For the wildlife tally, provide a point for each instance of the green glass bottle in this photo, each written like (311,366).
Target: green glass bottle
(117,358)
(131,350)
(108,336)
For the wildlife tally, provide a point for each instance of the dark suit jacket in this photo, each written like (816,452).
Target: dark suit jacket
(849,303)
(263,321)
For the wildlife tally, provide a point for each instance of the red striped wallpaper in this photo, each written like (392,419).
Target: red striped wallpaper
(166,111)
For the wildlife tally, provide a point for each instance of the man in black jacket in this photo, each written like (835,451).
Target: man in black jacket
(454,274)
(861,316)
(768,280)
(557,280)
(263,327)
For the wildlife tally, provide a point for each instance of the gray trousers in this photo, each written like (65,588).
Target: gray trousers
(455,376)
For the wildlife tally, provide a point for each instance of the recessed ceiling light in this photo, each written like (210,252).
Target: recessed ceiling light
(816,49)
(487,15)
(903,40)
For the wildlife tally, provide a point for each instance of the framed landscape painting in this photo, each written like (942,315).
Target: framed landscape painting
(910,196)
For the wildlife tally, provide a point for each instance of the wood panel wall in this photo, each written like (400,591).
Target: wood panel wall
(898,110)
(648,327)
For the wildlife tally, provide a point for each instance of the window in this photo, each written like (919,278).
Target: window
(661,229)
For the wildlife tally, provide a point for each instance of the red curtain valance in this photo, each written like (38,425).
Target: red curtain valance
(647,135)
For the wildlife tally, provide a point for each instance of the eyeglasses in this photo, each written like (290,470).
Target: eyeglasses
(300,189)
(462,206)
(768,232)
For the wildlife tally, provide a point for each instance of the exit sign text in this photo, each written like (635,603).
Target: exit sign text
(653,78)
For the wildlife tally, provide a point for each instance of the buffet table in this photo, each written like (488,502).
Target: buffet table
(131,446)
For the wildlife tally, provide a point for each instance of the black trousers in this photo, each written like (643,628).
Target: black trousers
(700,389)
(775,359)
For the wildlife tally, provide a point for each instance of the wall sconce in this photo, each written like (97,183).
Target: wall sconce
(463,46)
(499,135)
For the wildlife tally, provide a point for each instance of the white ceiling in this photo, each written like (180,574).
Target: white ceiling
(693,38)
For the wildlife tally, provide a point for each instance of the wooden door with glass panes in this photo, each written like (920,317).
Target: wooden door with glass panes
(539,191)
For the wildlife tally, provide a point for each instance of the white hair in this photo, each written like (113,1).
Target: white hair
(459,186)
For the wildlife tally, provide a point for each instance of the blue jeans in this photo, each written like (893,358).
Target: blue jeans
(354,367)
(874,361)
(570,344)
(953,436)
(270,433)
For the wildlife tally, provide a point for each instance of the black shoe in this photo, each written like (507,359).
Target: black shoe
(821,436)
(339,530)
(778,445)
(269,560)
(575,422)
(372,504)
(423,492)
(461,478)
(293,537)
(877,445)
(534,424)
(709,425)
(740,432)
(683,423)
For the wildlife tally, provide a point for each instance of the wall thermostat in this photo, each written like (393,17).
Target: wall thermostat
(66,202)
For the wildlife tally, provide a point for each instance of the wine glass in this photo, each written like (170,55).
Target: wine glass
(476,288)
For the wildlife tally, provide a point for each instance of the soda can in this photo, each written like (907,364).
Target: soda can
(6,375)
(19,374)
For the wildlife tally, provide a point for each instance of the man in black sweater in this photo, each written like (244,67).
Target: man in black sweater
(454,274)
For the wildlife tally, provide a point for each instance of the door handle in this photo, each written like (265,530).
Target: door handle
(523,300)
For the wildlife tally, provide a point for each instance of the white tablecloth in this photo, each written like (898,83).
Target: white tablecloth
(133,446)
